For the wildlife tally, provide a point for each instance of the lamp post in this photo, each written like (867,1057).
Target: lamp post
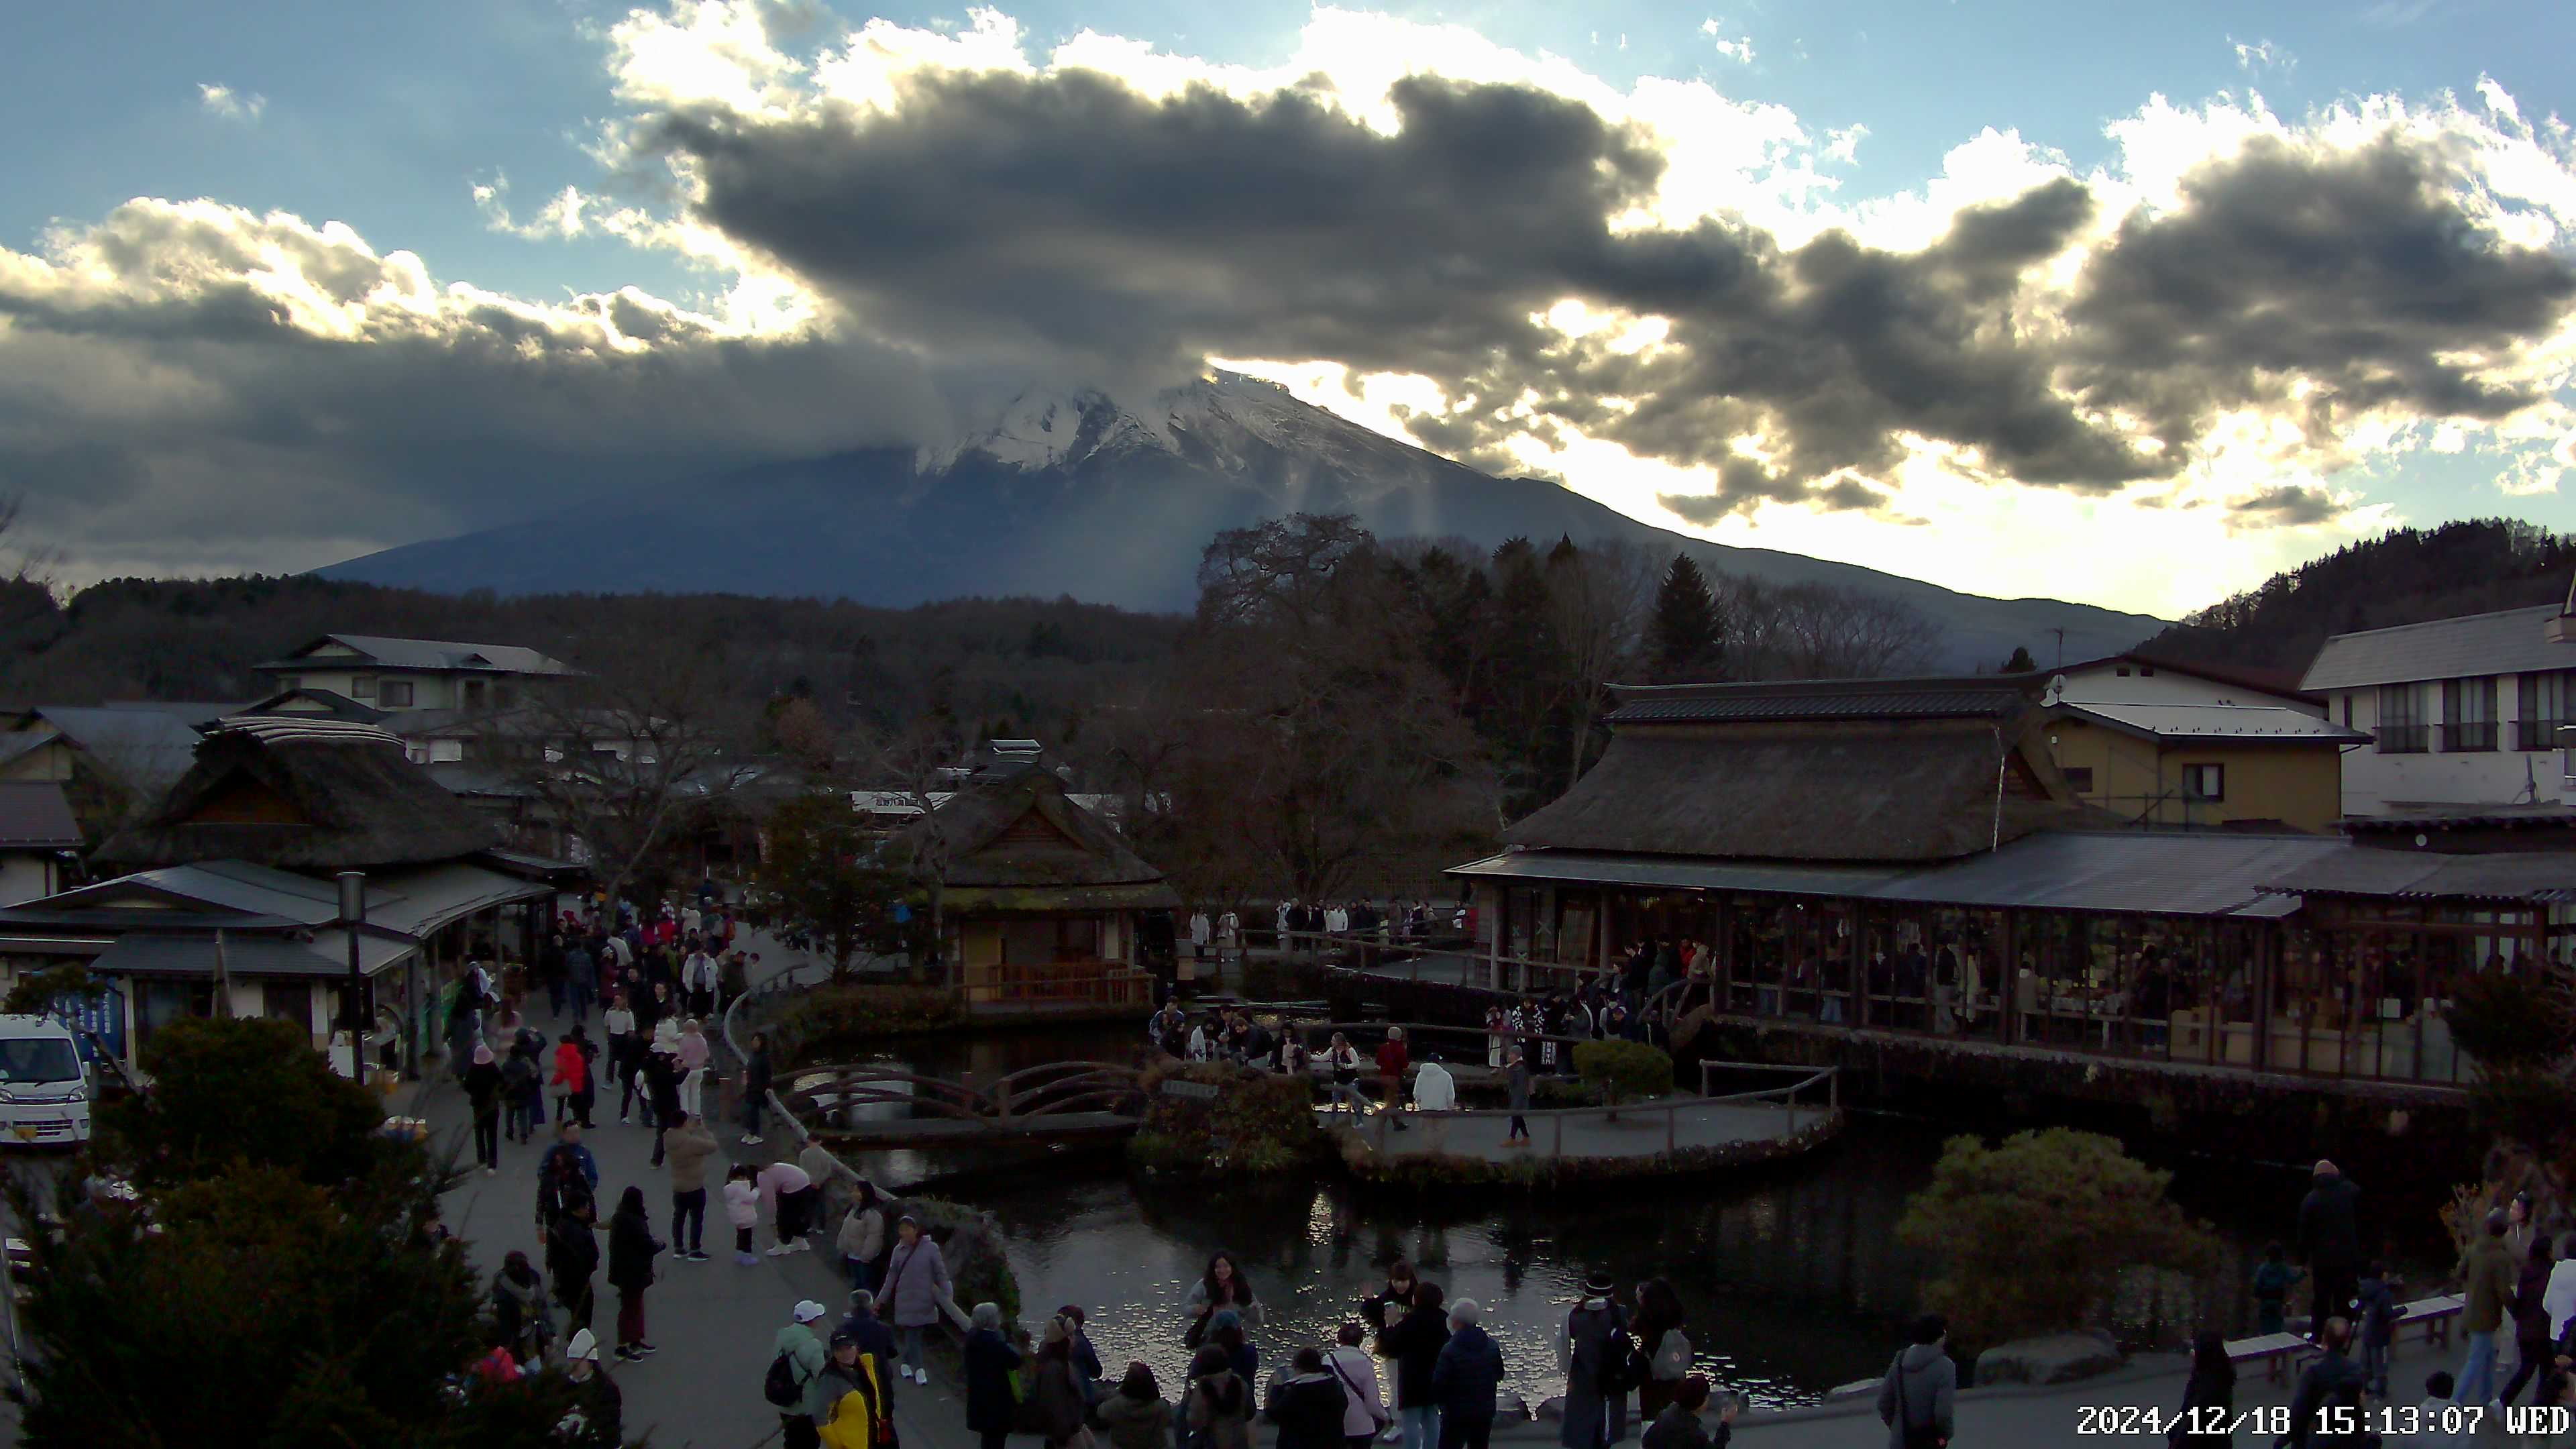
(353,1012)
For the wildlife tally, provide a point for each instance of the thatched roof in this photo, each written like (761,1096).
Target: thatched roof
(1015,831)
(313,798)
(1886,789)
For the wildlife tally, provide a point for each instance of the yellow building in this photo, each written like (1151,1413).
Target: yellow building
(2204,766)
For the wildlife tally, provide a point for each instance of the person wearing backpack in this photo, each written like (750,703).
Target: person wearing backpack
(1595,1350)
(1915,1399)
(796,1361)
(519,1089)
(1212,1411)
(1666,1347)
(1307,1403)
(849,1397)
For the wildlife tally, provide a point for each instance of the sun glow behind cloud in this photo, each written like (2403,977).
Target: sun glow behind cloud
(2059,467)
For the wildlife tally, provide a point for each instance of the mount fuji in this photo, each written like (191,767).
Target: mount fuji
(1078,495)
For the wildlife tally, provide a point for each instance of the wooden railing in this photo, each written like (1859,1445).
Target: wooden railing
(1084,982)
(1053,1089)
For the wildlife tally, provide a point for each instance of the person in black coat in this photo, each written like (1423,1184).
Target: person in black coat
(2209,1395)
(1307,1403)
(572,1255)
(483,1094)
(631,1250)
(2330,1239)
(1465,1378)
(991,1406)
(1414,1342)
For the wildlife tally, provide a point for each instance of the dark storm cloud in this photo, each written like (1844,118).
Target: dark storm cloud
(2356,271)
(2287,505)
(152,371)
(1071,222)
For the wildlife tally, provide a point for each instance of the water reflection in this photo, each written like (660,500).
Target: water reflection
(1793,1275)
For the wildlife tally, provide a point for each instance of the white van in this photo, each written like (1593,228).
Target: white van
(44,1090)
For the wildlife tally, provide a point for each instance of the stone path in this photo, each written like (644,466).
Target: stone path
(713,1322)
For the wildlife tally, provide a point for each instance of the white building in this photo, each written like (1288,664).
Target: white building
(393,675)
(2461,711)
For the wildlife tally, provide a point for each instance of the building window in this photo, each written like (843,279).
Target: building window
(2204,782)
(2347,709)
(394,694)
(288,683)
(2469,714)
(2080,779)
(446,752)
(362,686)
(474,694)
(2122,671)
(2542,708)
(2402,727)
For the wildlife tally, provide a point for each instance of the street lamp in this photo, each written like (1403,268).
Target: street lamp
(353,1012)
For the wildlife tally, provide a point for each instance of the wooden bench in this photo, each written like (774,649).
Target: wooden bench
(2436,1314)
(2277,1352)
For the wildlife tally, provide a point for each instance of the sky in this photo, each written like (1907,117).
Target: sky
(2129,305)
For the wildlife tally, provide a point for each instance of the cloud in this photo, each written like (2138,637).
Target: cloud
(2262,55)
(1662,292)
(2288,506)
(230,104)
(1739,48)
(191,386)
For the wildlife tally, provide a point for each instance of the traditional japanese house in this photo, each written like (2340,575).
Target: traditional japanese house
(1899,865)
(1041,901)
(230,901)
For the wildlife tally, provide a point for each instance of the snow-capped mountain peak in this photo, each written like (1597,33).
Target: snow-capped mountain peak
(1212,418)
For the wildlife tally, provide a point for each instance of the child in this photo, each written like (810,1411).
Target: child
(2376,1305)
(742,1209)
(2437,1403)
(2272,1280)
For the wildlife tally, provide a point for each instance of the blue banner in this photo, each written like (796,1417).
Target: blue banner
(100,1018)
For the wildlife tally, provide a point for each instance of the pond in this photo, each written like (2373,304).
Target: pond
(1792,1274)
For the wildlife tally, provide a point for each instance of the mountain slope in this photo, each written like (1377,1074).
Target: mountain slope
(1077,496)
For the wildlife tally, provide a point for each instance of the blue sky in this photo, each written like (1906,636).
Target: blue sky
(385,118)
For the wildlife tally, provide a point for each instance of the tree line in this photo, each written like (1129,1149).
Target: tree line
(2404,576)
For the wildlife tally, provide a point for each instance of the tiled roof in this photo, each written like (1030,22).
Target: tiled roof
(1903,703)
(430,654)
(2509,642)
(35,816)
(2258,722)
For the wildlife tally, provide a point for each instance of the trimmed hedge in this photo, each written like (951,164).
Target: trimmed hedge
(834,1023)
(1259,1122)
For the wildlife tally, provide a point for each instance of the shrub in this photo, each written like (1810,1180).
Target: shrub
(1259,1122)
(1623,1071)
(2508,1022)
(833,1023)
(2033,1234)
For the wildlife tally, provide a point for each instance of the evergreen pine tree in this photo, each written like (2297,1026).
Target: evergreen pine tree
(1684,638)
(2020,662)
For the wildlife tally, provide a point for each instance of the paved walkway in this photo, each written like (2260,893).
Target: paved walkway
(1639,1132)
(713,1322)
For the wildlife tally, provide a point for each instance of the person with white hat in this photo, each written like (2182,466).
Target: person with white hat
(597,1418)
(804,1356)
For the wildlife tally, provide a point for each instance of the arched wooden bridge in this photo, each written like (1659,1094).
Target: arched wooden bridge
(1035,1106)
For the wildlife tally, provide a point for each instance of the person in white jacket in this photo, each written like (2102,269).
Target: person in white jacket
(1363,1407)
(1434,1090)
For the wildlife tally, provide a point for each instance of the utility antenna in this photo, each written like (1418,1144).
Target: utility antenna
(2061,634)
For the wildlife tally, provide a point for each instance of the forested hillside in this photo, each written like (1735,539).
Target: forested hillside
(2405,576)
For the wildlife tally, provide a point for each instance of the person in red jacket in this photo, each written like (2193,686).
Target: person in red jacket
(1392,1059)
(572,1077)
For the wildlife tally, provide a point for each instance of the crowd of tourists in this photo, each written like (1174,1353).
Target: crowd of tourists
(1410,1365)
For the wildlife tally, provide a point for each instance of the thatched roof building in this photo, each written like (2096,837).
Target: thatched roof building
(1860,770)
(1015,841)
(303,795)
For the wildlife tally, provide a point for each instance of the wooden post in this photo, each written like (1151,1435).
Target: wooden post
(1558,1151)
